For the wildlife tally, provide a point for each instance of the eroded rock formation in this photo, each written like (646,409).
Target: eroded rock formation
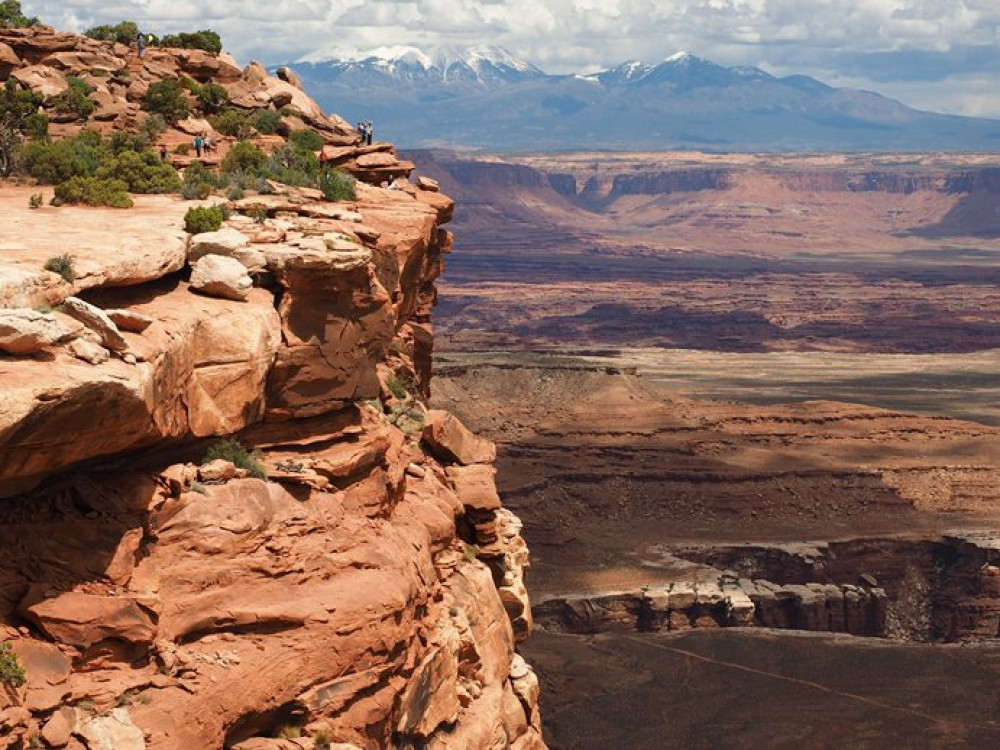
(346,583)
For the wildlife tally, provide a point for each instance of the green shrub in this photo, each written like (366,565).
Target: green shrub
(153,126)
(235,193)
(196,191)
(307,140)
(62,265)
(244,157)
(471,552)
(74,101)
(203,219)
(125,157)
(11,671)
(183,149)
(234,123)
(166,98)
(18,115)
(267,121)
(397,387)
(123,33)
(233,451)
(11,15)
(142,172)
(58,161)
(337,185)
(199,182)
(36,126)
(189,84)
(92,191)
(205,39)
(290,166)
(36,200)
(121,141)
(212,98)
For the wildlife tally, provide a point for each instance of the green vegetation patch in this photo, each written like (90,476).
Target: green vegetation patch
(203,219)
(11,671)
(89,160)
(206,39)
(93,191)
(166,98)
(230,449)
(125,32)
(74,103)
(267,121)
(337,185)
(11,15)
(62,265)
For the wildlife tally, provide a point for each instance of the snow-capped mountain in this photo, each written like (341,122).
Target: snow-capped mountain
(476,66)
(485,97)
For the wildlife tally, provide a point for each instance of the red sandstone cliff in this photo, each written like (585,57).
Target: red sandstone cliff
(370,592)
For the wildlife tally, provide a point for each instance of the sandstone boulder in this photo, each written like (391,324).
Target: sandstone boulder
(129,320)
(204,66)
(58,730)
(451,441)
(228,243)
(75,62)
(88,351)
(218,470)
(426,183)
(337,319)
(8,59)
(40,78)
(289,76)
(476,486)
(432,697)
(194,126)
(114,731)
(25,331)
(218,276)
(82,620)
(97,321)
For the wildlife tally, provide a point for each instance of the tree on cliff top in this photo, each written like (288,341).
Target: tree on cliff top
(123,33)
(11,15)
(17,110)
(206,39)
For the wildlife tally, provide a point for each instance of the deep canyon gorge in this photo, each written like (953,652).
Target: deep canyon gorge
(745,407)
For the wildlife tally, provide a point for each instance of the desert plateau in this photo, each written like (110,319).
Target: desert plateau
(746,408)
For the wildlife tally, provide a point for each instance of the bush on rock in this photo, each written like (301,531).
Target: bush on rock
(203,219)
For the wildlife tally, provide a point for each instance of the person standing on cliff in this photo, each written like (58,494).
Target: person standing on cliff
(368,132)
(362,132)
(163,152)
(140,42)
(198,143)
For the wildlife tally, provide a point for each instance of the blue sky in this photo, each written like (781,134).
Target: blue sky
(942,55)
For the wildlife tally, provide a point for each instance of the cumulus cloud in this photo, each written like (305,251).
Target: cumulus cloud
(931,50)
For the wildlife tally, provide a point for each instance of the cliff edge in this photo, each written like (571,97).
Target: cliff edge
(228,518)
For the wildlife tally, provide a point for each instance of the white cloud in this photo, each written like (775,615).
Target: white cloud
(869,42)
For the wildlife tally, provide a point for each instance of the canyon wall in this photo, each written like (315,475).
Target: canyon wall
(342,576)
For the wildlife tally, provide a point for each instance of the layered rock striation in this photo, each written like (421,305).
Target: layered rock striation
(342,574)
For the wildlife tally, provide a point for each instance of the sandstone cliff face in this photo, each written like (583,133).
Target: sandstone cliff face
(368,593)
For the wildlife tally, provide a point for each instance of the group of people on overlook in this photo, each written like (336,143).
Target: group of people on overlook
(366,130)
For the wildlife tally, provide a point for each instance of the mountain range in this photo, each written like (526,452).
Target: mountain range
(486,98)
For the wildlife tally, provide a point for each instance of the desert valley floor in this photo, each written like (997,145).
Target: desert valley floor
(750,393)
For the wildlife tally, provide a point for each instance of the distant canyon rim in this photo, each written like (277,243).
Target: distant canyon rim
(740,391)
